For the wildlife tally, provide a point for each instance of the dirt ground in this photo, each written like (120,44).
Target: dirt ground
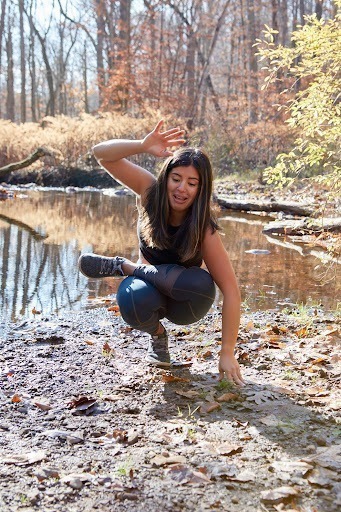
(85,425)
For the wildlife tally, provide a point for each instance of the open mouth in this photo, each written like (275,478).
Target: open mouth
(179,200)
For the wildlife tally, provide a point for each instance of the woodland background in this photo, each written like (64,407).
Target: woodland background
(76,71)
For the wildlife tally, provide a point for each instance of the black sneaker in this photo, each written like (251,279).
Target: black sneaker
(95,266)
(157,353)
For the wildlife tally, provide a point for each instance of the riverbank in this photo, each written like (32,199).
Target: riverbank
(86,425)
(304,195)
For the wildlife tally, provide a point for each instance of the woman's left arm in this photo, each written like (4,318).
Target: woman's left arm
(220,268)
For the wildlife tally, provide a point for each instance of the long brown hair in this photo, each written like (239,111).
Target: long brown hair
(154,217)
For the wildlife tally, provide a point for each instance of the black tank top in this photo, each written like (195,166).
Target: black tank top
(163,256)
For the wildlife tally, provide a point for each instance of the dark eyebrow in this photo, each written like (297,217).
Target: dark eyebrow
(190,178)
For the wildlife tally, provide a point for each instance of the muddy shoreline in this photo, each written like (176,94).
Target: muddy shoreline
(85,425)
(142,438)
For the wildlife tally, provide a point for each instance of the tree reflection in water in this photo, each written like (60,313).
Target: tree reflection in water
(42,235)
(38,276)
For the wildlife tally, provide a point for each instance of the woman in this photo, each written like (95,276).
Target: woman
(177,233)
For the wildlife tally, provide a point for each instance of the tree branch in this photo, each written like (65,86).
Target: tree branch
(38,153)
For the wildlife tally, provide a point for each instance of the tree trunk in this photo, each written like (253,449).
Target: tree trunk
(100,48)
(38,153)
(283,35)
(318,8)
(50,109)
(302,11)
(274,19)
(265,206)
(10,106)
(190,83)
(85,80)
(302,227)
(32,67)
(2,32)
(124,53)
(22,63)
(252,64)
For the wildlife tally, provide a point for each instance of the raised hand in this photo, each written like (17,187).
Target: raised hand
(158,143)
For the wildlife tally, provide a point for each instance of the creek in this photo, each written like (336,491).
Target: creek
(43,232)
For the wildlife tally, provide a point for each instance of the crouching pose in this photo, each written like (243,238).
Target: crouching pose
(177,235)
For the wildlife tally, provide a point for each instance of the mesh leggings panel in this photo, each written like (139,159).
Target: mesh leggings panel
(183,295)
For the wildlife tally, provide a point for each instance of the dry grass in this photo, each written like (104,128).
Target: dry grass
(69,139)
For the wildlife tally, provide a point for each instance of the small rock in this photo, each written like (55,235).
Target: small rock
(320,440)
(132,437)
(76,480)
(33,497)
(278,495)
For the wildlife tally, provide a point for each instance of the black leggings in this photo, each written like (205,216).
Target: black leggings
(183,295)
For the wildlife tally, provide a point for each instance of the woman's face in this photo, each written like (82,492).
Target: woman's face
(182,188)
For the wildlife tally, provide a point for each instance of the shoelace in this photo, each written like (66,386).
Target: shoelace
(108,266)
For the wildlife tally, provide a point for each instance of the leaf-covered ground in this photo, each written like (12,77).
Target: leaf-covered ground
(85,425)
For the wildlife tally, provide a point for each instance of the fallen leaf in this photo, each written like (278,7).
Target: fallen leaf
(187,394)
(209,407)
(242,356)
(107,350)
(260,397)
(82,403)
(292,466)
(228,397)
(16,399)
(36,312)
(112,398)
(76,480)
(160,460)
(25,458)
(221,448)
(250,325)
(47,472)
(328,332)
(207,354)
(278,495)
(44,406)
(329,457)
(89,342)
(322,477)
(219,469)
(185,475)
(72,437)
(120,435)
(245,476)
(302,333)
(228,449)
(114,308)
(240,423)
(319,361)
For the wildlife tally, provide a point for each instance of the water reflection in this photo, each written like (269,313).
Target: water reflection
(42,235)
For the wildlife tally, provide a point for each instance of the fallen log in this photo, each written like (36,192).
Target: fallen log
(293,208)
(303,226)
(38,153)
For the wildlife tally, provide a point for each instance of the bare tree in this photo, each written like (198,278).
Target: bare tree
(2,31)
(22,63)
(32,68)
(10,103)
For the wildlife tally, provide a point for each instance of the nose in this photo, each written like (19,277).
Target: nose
(182,186)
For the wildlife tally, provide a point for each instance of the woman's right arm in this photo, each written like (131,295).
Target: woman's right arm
(113,154)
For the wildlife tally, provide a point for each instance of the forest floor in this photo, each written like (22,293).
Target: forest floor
(86,425)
